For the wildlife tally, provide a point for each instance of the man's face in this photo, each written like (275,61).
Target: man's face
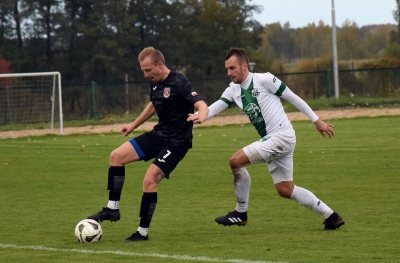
(235,70)
(151,70)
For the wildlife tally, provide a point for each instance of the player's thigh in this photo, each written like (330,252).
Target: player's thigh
(145,146)
(281,169)
(269,148)
(168,158)
(123,155)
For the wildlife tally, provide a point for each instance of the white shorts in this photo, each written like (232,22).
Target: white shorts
(277,151)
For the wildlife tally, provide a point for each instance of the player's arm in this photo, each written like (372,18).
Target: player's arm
(146,114)
(202,113)
(213,110)
(217,107)
(301,105)
(223,103)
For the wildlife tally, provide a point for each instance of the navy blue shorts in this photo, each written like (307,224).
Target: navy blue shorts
(166,155)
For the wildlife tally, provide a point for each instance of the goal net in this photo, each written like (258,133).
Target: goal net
(31,98)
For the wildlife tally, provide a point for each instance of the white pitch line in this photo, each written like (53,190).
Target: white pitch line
(94,147)
(133,254)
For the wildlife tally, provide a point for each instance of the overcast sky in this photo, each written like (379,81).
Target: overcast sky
(300,13)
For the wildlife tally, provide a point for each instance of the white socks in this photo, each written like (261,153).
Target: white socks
(305,198)
(242,184)
(143,231)
(114,205)
(309,200)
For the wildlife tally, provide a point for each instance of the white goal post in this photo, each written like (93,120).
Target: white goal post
(30,98)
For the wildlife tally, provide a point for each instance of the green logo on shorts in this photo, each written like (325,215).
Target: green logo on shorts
(264,139)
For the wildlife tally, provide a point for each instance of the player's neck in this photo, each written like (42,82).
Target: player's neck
(246,82)
(165,74)
(245,77)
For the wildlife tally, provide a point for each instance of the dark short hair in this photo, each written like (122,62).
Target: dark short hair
(240,54)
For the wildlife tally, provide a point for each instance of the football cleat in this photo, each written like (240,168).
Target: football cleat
(136,237)
(106,214)
(232,218)
(333,221)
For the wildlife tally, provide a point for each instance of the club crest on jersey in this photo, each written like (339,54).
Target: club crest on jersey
(167,92)
(255,92)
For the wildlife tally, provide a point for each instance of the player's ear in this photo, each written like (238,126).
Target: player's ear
(245,65)
(159,63)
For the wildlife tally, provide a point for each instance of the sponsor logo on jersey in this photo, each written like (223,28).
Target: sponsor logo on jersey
(167,92)
(254,112)
(194,93)
(155,87)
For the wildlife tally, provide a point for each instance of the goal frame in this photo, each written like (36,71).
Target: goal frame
(56,79)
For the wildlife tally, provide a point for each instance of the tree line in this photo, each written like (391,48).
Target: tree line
(99,40)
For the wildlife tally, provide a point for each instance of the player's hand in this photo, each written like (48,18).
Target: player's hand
(324,128)
(194,118)
(126,129)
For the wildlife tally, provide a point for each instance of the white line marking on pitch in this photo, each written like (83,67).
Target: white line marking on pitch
(95,147)
(133,254)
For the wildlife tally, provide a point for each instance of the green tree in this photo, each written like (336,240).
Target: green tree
(107,37)
(376,39)
(281,39)
(313,41)
(160,24)
(350,42)
(99,39)
(213,27)
(396,16)
(73,45)
(41,21)
(6,18)
(10,31)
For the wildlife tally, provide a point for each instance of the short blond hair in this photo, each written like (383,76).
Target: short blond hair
(155,55)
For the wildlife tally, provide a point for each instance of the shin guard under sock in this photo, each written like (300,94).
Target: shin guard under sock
(116,178)
(242,184)
(147,207)
(309,200)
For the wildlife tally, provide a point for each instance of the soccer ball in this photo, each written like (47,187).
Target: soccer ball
(88,231)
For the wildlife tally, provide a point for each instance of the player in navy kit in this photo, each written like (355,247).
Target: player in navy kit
(173,99)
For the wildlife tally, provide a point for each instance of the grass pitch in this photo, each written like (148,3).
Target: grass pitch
(48,184)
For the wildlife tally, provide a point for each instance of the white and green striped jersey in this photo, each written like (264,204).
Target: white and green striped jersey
(259,97)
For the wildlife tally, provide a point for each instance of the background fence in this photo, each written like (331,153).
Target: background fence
(97,100)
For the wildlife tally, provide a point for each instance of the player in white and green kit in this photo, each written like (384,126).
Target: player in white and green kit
(258,95)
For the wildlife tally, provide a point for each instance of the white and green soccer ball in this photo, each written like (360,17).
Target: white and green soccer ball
(88,231)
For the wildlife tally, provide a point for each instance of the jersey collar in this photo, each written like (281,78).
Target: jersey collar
(246,83)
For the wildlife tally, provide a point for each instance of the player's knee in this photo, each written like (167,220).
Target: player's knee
(284,193)
(149,185)
(114,156)
(234,163)
(284,190)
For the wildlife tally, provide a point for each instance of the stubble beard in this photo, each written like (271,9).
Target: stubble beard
(239,77)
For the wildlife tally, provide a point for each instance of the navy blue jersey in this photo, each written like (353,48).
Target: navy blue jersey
(173,100)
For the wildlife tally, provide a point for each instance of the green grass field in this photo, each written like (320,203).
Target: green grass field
(48,184)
